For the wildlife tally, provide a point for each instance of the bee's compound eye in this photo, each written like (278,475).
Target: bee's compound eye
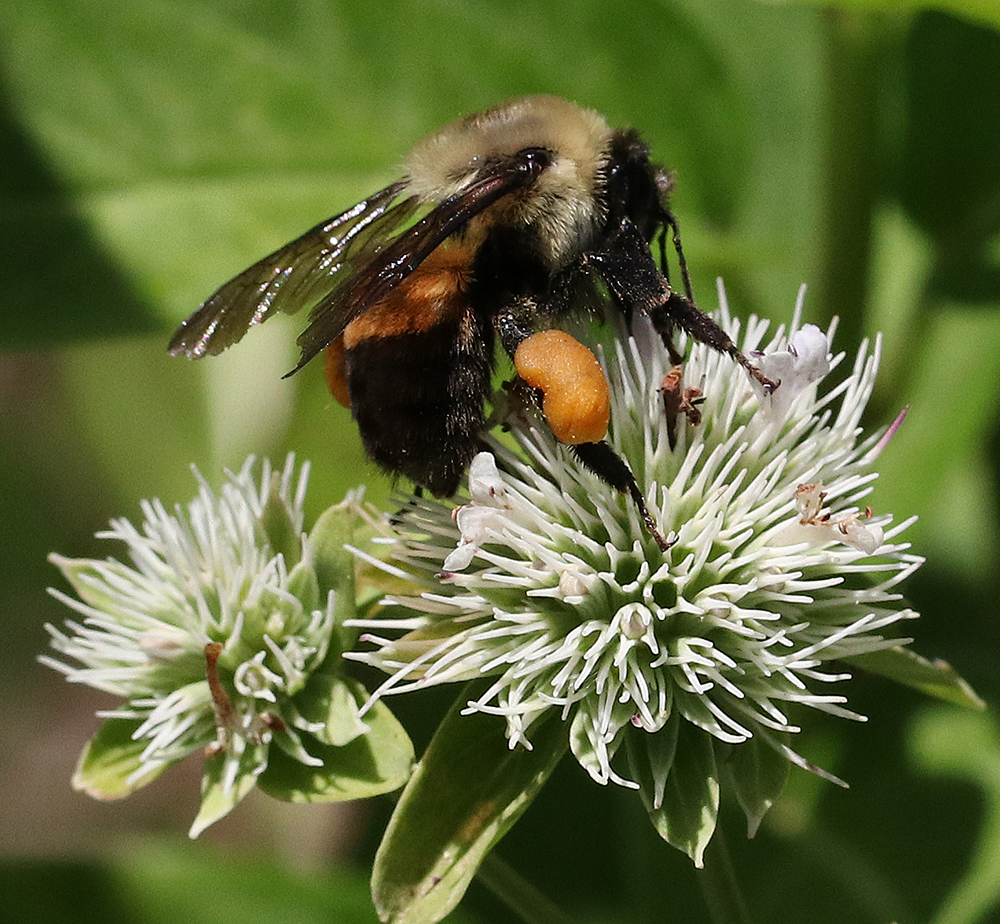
(535,160)
(575,397)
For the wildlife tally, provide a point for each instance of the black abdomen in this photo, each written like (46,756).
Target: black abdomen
(418,398)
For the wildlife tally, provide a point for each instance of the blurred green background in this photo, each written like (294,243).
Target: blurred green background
(152,149)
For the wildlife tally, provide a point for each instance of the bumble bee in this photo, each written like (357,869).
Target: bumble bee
(504,221)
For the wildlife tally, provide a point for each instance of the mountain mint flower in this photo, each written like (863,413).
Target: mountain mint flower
(220,636)
(674,670)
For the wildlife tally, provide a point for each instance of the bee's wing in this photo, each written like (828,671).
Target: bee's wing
(296,275)
(392,264)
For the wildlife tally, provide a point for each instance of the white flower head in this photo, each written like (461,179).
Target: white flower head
(208,634)
(547,589)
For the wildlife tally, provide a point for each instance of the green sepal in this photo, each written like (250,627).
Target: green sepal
(217,800)
(756,774)
(277,525)
(302,585)
(686,814)
(376,762)
(465,794)
(936,678)
(109,758)
(335,702)
(84,579)
(581,742)
(650,758)
(334,567)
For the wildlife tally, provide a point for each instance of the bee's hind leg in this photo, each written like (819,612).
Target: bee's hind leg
(604,462)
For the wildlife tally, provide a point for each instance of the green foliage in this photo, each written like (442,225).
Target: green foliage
(158,884)
(940,746)
(467,791)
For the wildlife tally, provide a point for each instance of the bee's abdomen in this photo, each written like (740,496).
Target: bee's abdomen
(418,369)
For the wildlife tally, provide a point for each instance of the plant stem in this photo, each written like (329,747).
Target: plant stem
(518,894)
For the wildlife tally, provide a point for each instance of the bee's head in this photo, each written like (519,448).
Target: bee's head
(563,207)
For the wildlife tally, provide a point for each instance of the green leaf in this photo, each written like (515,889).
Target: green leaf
(756,774)
(687,815)
(370,764)
(109,758)
(217,798)
(47,237)
(466,792)
(985,10)
(965,746)
(935,678)
(949,183)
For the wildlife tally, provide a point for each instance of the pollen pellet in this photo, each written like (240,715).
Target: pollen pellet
(575,396)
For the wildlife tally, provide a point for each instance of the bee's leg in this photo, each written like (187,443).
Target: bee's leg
(627,267)
(670,222)
(573,391)
(604,462)
(514,322)
(398,518)
(676,309)
(666,332)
